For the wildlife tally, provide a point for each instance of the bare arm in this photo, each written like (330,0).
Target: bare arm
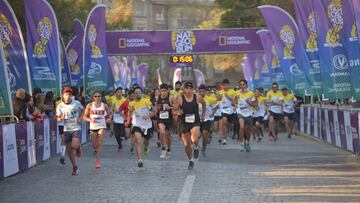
(87,113)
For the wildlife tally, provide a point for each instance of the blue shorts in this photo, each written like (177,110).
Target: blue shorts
(68,136)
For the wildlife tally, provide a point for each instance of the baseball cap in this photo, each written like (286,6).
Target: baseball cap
(67,89)
(189,84)
(226,81)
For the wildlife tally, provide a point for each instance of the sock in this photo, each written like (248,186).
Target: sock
(163,148)
(63,150)
(168,150)
(192,159)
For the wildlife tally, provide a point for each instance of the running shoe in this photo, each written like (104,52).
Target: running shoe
(140,163)
(191,165)
(94,153)
(270,137)
(224,142)
(62,160)
(242,147)
(146,150)
(167,155)
(75,171)
(220,141)
(275,137)
(97,164)
(203,153)
(247,147)
(79,152)
(259,139)
(196,153)
(132,151)
(289,135)
(163,154)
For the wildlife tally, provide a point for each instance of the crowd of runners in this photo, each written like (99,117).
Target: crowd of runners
(196,116)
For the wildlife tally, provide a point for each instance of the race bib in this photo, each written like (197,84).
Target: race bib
(190,118)
(164,115)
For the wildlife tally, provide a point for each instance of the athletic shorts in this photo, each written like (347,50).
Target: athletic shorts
(61,129)
(186,127)
(205,126)
(119,129)
(291,116)
(68,136)
(276,116)
(136,129)
(96,130)
(168,123)
(217,118)
(259,119)
(228,116)
(248,119)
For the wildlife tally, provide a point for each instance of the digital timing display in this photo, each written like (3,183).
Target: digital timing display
(181,59)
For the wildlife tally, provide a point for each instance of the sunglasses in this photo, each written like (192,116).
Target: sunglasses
(97,96)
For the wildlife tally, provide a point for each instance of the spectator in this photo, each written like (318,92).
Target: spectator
(19,106)
(39,100)
(50,103)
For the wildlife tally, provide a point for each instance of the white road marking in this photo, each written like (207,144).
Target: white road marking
(186,191)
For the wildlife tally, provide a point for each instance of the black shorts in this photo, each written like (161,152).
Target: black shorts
(228,116)
(205,126)
(291,116)
(276,116)
(168,123)
(217,118)
(119,129)
(258,119)
(68,136)
(96,131)
(61,129)
(136,129)
(186,127)
(248,119)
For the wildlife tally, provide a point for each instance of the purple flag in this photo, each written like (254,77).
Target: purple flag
(14,49)
(308,35)
(284,33)
(96,69)
(115,68)
(142,70)
(43,45)
(177,76)
(74,52)
(65,66)
(199,77)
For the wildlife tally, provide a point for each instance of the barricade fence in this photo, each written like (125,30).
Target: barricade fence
(338,126)
(25,144)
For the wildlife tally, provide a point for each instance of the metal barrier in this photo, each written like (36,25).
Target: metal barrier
(336,125)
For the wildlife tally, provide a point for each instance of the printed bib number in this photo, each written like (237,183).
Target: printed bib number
(190,118)
(164,115)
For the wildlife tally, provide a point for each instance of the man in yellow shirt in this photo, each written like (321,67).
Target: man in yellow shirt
(227,96)
(245,101)
(289,111)
(275,102)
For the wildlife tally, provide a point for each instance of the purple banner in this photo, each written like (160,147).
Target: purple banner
(177,76)
(43,45)
(65,66)
(180,42)
(39,137)
(21,140)
(341,120)
(116,70)
(96,65)
(199,77)
(1,153)
(14,48)
(53,131)
(355,132)
(142,70)
(74,52)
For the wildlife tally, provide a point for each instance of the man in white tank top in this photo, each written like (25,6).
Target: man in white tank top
(97,113)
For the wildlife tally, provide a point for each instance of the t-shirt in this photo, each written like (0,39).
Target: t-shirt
(259,111)
(61,123)
(243,107)
(71,114)
(211,102)
(119,105)
(140,109)
(175,93)
(289,101)
(275,97)
(226,101)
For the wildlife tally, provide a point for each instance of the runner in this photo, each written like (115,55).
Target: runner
(154,100)
(217,115)
(165,120)
(61,133)
(259,113)
(275,101)
(141,121)
(211,106)
(227,97)
(128,125)
(176,93)
(289,111)
(187,107)
(245,101)
(97,113)
(69,112)
(120,108)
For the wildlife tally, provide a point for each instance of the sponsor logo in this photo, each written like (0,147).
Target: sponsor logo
(72,58)
(44,30)
(288,37)
(335,15)
(233,40)
(92,35)
(311,43)
(133,43)
(295,69)
(183,41)
(43,73)
(340,62)
(95,68)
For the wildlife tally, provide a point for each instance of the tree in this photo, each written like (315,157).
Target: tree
(119,15)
